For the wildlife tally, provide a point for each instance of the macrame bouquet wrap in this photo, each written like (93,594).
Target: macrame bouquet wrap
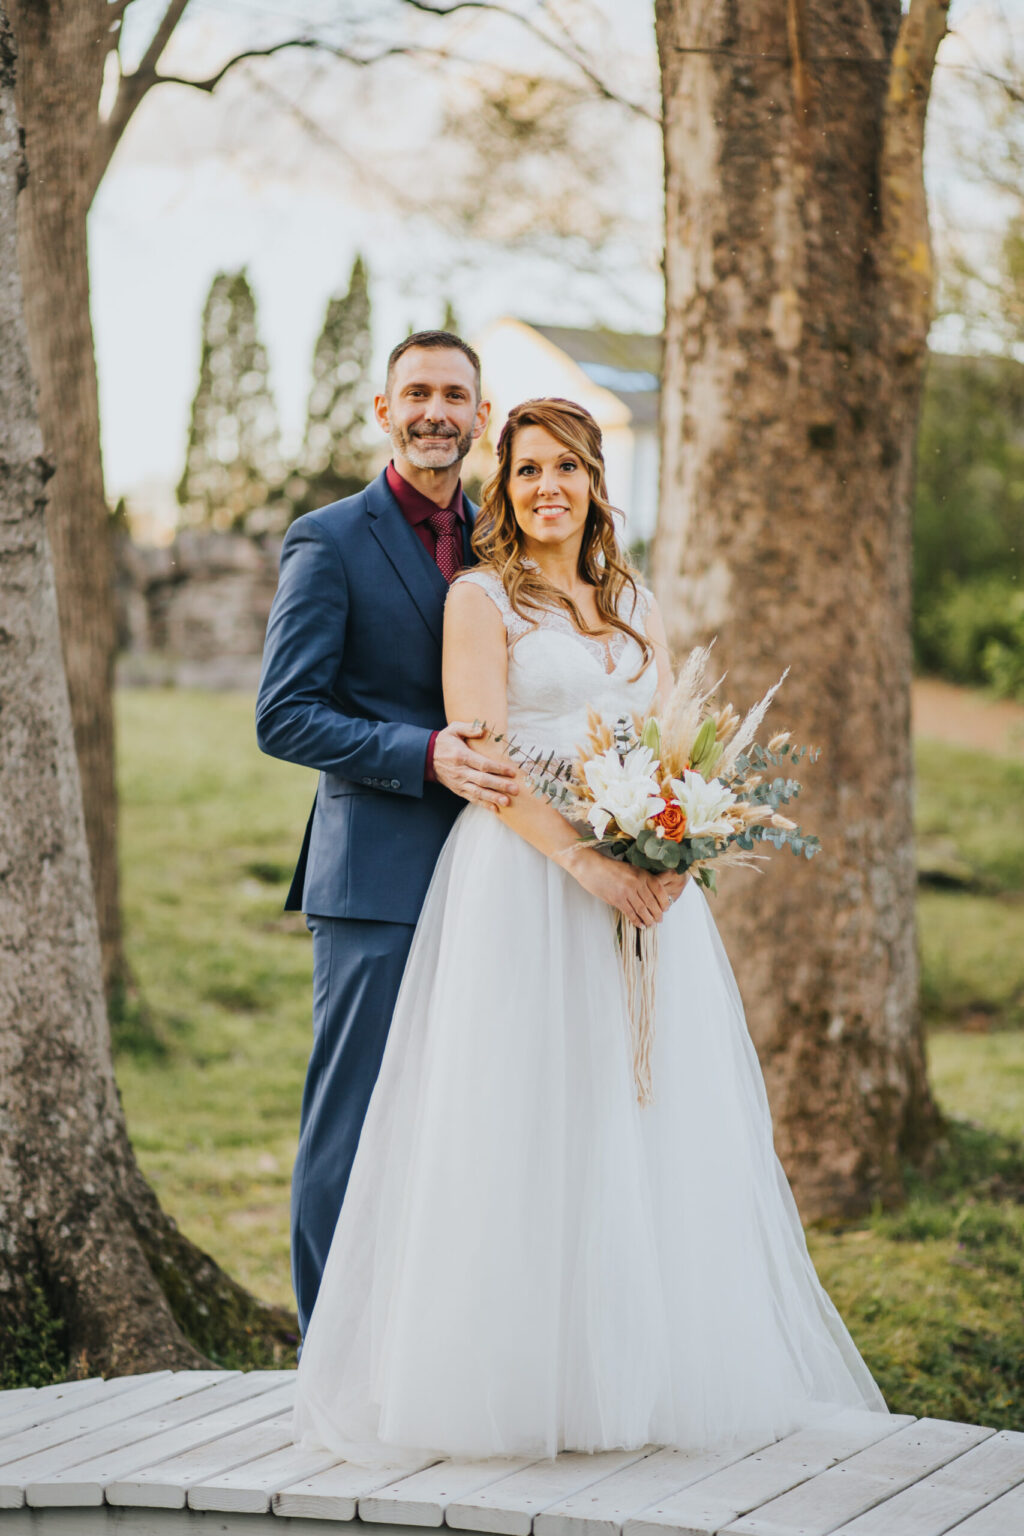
(684,789)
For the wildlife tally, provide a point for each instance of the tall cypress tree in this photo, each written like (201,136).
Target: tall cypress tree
(233,464)
(336,459)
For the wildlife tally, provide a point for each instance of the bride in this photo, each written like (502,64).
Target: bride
(527,1261)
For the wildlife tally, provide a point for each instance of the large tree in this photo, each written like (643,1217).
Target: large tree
(84,1241)
(798,305)
(233,461)
(336,459)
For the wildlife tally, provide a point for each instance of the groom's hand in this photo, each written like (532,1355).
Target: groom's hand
(469,774)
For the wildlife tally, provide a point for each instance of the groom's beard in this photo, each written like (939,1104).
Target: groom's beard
(438,455)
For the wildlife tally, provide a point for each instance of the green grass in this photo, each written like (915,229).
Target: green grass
(932,1293)
(970,823)
(210,828)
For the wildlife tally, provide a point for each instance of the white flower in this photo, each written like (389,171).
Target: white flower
(705,803)
(624,791)
(599,820)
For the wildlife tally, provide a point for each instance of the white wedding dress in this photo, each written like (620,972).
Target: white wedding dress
(528,1261)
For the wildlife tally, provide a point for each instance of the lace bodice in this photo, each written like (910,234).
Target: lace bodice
(555,674)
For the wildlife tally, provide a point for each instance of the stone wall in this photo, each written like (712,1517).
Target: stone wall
(195,613)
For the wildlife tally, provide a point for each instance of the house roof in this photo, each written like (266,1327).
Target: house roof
(628,364)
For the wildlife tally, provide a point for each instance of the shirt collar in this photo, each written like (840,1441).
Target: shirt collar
(414,506)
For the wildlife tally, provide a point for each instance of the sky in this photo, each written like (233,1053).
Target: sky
(297,162)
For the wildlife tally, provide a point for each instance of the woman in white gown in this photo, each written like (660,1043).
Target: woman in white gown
(527,1260)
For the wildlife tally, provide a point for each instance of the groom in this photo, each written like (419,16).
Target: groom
(351,685)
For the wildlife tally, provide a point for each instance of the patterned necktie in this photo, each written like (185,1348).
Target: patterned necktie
(448,553)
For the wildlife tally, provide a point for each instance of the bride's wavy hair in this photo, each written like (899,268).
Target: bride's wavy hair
(602,564)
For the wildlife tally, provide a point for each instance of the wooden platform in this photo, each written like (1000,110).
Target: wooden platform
(211,1451)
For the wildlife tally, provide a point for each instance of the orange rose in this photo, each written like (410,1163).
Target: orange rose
(672,820)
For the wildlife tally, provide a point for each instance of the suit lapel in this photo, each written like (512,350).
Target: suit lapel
(412,565)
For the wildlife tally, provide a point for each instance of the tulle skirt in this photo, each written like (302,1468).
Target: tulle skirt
(527,1261)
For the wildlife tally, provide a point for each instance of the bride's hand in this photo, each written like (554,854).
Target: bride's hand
(674,882)
(642,898)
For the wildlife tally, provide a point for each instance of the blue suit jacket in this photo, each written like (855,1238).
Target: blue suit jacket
(351,685)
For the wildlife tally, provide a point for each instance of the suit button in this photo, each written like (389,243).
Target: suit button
(367,781)
(396,783)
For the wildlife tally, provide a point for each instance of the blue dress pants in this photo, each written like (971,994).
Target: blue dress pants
(357,970)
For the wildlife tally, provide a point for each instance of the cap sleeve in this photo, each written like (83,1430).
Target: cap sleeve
(515,624)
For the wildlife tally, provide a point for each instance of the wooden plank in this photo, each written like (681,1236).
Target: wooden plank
(105,1521)
(68,1396)
(16,1397)
(335,1493)
(48,1446)
(229,1404)
(938,1502)
(604,1509)
(508,1507)
(19,1398)
(423,1497)
(166,1485)
(249,1489)
(716,1501)
(1003,1517)
(834,1497)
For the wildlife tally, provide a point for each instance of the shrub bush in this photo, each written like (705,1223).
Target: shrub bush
(973,632)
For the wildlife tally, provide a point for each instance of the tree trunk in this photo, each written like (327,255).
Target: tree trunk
(62,45)
(798,293)
(78,1221)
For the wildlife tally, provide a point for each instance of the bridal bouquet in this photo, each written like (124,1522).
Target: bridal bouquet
(683,790)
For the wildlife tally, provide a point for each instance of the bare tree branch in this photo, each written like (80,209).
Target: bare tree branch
(132,88)
(572,55)
(360,59)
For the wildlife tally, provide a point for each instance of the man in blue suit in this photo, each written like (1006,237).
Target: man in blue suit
(351,685)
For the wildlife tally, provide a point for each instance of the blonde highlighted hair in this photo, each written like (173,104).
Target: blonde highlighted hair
(498,538)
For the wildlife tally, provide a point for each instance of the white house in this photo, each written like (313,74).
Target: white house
(615,376)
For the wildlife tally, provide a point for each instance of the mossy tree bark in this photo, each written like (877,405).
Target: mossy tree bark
(77,1219)
(798,303)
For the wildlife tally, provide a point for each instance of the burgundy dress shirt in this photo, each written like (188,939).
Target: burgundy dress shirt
(416,509)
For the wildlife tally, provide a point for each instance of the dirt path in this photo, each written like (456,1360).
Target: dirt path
(967,717)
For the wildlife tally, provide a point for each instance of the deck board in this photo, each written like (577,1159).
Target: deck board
(833,1498)
(339,1492)
(206,1416)
(1003,1517)
(508,1507)
(211,1451)
(945,1498)
(70,1397)
(250,1488)
(423,1497)
(61,1442)
(166,1485)
(38,1399)
(716,1501)
(605,1508)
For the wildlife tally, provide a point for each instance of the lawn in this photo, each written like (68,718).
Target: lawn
(211,1070)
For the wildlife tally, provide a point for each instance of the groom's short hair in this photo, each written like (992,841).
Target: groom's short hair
(433,339)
